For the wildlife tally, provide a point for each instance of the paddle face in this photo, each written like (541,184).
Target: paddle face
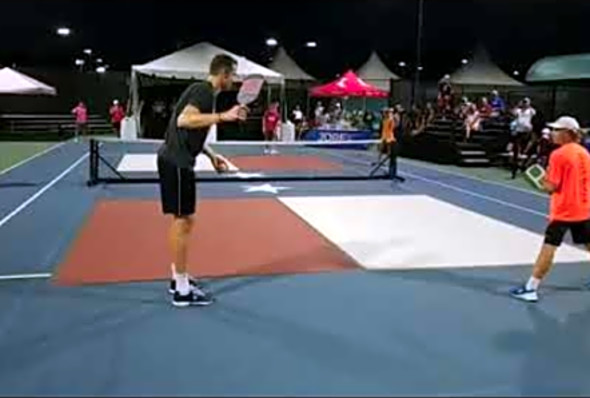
(535,175)
(250,89)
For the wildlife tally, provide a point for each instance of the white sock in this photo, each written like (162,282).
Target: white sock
(182,284)
(533,283)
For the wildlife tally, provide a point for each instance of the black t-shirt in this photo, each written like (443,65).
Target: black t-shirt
(181,146)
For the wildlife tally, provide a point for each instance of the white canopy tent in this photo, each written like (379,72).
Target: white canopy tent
(13,82)
(192,63)
(481,71)
(286,66)
(376,73)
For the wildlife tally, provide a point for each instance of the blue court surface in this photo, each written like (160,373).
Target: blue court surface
(425,310)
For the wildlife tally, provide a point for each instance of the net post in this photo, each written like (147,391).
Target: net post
(93,163)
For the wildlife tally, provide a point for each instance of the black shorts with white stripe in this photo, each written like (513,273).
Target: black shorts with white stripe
(177,188)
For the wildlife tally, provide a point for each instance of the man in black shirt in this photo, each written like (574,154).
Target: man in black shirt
(185,139)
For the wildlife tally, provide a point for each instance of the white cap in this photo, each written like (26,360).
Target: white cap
(565,123)
(546,132)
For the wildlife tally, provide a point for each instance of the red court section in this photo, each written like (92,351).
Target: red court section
(126,240)
(283,163)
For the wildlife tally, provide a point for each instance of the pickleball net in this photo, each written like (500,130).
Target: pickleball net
(120,161)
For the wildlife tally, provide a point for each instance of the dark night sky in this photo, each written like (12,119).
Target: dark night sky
(124,32)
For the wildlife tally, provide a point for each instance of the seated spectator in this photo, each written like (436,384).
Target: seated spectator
(462,108)
(485,109)
(430,114)
(415,119)
(472,121)
(498,104)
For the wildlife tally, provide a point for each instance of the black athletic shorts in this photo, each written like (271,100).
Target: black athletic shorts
(556,231)
(177,188)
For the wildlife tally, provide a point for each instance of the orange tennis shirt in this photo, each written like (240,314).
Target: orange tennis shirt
(387,130)
(569,171)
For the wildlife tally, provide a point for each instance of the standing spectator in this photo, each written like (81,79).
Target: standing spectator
(445,98)
(522,128)
(297,116)
(270,125)
(318,114)
(117,114)
(80,112)
(498,104)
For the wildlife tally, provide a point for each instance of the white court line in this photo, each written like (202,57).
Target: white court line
(465,191)
(458,174)
(477,195)
(42,190)
(35,156)
(20,277)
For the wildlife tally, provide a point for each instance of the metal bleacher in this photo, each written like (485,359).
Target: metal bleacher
(443,141)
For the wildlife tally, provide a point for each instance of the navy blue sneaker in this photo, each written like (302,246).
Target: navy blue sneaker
(194,298)
(522,293)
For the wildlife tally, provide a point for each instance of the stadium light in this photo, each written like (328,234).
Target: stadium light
(101,69)
(516,73)
(311,44)
(271,42)
(464,61)
(99,60)
(64,32)
(420,68)
(402,64)
(88,51)
(79,62)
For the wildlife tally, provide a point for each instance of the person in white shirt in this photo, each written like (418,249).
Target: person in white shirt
(521,130)
(297,115)
(319,114)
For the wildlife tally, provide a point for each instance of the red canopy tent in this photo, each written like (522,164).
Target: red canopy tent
(348,85)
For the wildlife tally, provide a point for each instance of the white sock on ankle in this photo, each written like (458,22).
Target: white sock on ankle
(533,283)
(182,284)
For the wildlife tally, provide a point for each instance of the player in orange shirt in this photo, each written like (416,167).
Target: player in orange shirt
(387,131)
(568,182)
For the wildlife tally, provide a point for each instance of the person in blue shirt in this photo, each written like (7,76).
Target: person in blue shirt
(498,104)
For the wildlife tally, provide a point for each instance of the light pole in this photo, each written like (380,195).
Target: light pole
(416,84)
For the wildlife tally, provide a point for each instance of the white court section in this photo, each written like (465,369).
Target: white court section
(416,231)
(148,162)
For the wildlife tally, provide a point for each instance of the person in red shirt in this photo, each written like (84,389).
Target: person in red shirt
(485,109)
(270,125)
(568,182)
(80,112)
(117,115)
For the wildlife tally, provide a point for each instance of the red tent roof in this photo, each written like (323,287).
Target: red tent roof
(348,85)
